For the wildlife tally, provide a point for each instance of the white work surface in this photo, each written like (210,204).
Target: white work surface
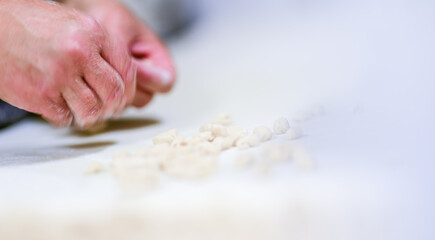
(369,64)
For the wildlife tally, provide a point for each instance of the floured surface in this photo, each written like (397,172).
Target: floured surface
(329,201)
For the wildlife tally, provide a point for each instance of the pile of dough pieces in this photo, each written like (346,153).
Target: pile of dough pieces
(197,156)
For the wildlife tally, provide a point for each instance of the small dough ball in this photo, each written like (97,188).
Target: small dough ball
(263,133)
(248,141)
(235,133)
(179,142)
(166,137)
(201,137)
(94,168)
(281,126)
(217,130)
(294,133)
(223,143)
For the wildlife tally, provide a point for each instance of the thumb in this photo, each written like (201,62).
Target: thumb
(155,70)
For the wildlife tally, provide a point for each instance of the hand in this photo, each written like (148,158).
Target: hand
(59,63)
(155,70)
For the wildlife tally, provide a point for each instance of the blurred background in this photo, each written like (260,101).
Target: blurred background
(369,64)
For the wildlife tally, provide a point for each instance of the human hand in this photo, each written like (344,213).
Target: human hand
(155,70)
(60,63)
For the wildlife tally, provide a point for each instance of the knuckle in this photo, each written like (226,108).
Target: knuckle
(79,37)
(92,25)
(63,120)
(74,46)
(92,105)
(47,92)
(57,113)
(92,28)
(114,88)
(89,108)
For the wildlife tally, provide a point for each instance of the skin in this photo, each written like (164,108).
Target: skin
(88,67)
(155,70)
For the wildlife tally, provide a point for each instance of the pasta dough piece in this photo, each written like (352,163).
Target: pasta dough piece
(175,156)
(281,126)
(166,137)
(216,130)
(202,137)
(248,141)
(294,133)
(263,133)
(223,143)
(235,133)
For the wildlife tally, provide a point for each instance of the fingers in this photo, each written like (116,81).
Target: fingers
(142,98)
(57,112)
(43,101)
(83,103)
(95,97)
(156,71)
(107,84)
(115,54)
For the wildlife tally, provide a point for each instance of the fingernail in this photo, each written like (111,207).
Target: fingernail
(163,75)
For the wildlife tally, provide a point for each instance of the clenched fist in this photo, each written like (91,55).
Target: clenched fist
(60,63)
(155,70)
